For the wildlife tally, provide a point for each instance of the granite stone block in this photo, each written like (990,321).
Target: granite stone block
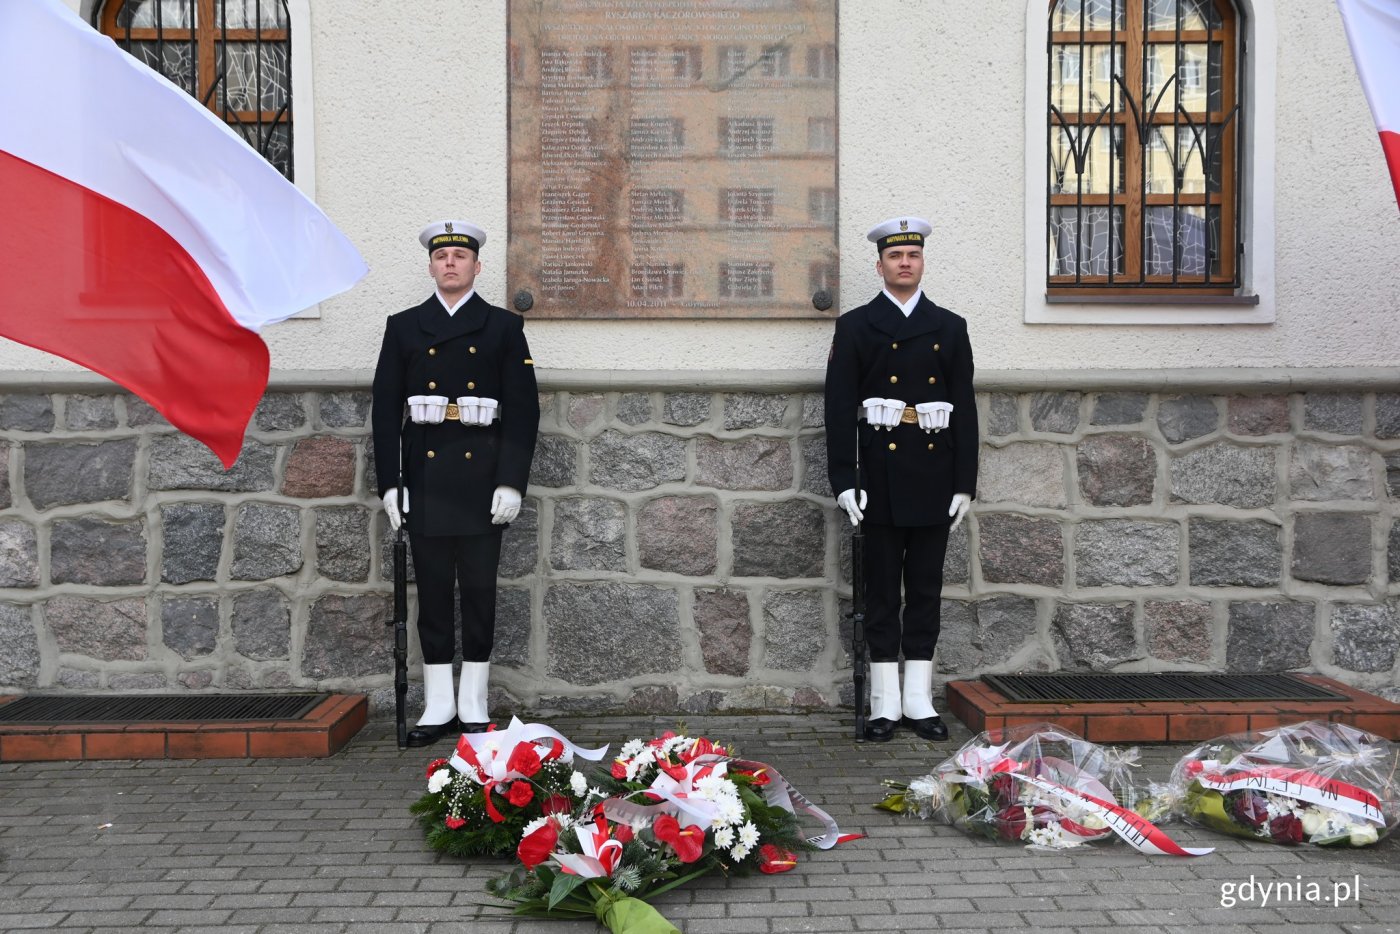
(725,630)
(192,538)
(190,625)
(1116,470)
(636,462)
(955,559)
(784,540)
(1320,472)
(1119,408)
(19,554)
(1003,415)
(1229,553)
(66,472)
(1094,636)
(813,410)
(6,498)
(19,662)
(1126,552)
(26,412)
(686,409)
(1226,473)
(814,466)
(179,462)
(320,467)
(110,630)
(1263,637)
(139,414)
(1388,415)
(1258,415)
(679,534)
(262,624)
(1338,413)
(1332,548)
(794,628)
(584,410)
(556,461)
(1030,473)
(748,464)
(744,410)
(1178,630)
(1392,475)
(1365,638)
(520,544)
(342,543)
(345,637)
(280,411)
(634,408)
(589,535)
(1185,417)
(89,550)
(1055,412)
(266,541)
(511,647)
(90,413)
(349,409)
(985,633)
(604,631)
(1021,550)
(1393,552)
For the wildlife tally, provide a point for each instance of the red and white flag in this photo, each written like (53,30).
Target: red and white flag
(142,238)
(1373,29)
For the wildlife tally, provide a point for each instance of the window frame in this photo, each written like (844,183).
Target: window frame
(1253,302)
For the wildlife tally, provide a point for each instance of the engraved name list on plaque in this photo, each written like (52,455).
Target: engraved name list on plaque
(673,158)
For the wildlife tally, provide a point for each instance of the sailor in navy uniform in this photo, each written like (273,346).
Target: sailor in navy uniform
(461,370)
(899,392)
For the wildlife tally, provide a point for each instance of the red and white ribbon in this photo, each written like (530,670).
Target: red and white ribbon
(1299,784)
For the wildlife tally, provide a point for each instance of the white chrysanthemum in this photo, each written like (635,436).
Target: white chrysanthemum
(631,749)
(740,852)
(1050,837)
(578,783)
(724,837)
(713,787)
(729,811)
(534,825)
(674,743)
(748,835)
(599,793)
(439,780)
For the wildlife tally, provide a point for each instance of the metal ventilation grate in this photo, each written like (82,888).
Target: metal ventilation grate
(1168,686)
(146,708)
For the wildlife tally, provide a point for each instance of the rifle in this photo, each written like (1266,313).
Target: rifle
(400,623)
(860,665)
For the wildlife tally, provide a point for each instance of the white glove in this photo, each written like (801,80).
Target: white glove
(874,411)
(391,507)
(847,501)
(505,505)
(933,416)
(477,411)
(958,508)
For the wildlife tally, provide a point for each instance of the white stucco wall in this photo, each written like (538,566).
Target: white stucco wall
(410,125)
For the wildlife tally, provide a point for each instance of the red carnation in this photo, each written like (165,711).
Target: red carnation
(622,833)
(1011,823)
(434,766)
(774,859)
(1005,790)
(520,794)
(454,823)
(1249,808)
(535,848)
(524,759)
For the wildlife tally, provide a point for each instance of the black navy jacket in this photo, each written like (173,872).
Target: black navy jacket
(877,352)
(453,470)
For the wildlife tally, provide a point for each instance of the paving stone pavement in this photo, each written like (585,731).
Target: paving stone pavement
(323,846)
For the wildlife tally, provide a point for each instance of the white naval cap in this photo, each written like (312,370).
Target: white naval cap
(899,230)
(452,233)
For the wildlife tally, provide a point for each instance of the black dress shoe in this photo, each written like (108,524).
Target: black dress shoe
(930,728)
(880,730)
(475,727)
(427,734)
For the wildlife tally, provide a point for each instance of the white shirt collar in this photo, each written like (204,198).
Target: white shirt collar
(452,309)
(906,307)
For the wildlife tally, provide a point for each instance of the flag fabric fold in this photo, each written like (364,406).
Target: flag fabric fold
(144,239)
(1373,29)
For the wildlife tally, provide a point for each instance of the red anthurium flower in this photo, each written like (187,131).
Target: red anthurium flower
(556,804)
(701,747)
(520,794)
(454,823)
(774,859)
(687,842)
(536,847)
(757,778)
(676,771)
(619,769)
(434,766)
(525,759)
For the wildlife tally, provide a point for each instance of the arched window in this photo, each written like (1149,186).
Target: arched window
(1144,117)
(233,56)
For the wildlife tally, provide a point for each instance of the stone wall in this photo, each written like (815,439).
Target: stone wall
(677,549)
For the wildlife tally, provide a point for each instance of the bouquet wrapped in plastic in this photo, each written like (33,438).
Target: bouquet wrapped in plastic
(679,808)
(480,800)
(1323,783)
(1039,785)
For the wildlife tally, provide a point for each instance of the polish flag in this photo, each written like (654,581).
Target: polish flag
(1373,28)
(141,237)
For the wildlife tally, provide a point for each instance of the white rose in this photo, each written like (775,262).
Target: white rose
(439,780)
(1314,822)
(1363,835)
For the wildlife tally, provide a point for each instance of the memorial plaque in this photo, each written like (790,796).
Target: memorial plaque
(672,158)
